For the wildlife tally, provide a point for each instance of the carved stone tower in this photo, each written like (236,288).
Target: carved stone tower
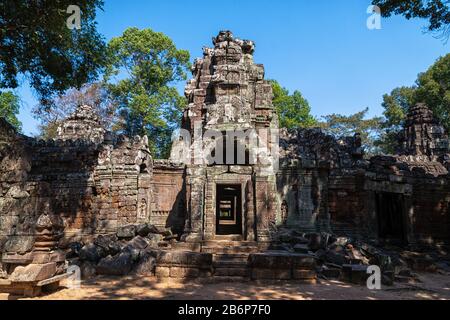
(82,124)
(424,135)
(232,147)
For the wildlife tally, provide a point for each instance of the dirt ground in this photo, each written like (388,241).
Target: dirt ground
(432,287)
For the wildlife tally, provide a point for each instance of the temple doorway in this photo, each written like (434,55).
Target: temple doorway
(391,220)
(229,210)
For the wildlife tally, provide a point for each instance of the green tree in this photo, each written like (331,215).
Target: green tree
(437,12)
(396,106)
(293,110)
(9,108)
(36,43)
(342,126)
(431,87)
(147,64)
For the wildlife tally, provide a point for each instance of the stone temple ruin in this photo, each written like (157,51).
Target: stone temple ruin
(305,199)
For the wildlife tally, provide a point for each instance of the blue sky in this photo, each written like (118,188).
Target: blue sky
(320,47)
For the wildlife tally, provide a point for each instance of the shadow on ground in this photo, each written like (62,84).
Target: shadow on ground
(433,287)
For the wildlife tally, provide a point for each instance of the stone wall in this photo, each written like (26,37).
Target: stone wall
(425,189)
(97,182)
(325,184)
(123,179)
(94,187)
(15,208)
(169,196)
(318,180)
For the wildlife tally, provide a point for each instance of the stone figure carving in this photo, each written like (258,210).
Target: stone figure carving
(284,212)
(142,212)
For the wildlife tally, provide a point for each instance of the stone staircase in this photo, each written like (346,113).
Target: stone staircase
(230,259)
(231,267)
(229,247)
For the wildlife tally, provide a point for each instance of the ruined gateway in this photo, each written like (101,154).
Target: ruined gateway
(98,183)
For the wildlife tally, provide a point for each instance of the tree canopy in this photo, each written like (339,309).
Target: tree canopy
(437,12)
(37,44)
(432,87)
(9,108)
(293,110)
(146,65)
(342,126)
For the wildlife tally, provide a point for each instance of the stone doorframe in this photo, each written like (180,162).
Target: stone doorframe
(372,187)
(220,175)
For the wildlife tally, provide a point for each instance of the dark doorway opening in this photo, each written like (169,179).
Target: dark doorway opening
(391,219)
(229,210)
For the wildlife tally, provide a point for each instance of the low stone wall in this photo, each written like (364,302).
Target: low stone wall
(184,265)
(282,266)
(261,266)
(94,187)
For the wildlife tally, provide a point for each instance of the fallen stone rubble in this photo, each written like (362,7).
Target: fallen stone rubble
(145,250)
(347,259)
(133,249)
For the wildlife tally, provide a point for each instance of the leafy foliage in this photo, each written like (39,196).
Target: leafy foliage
(147,64)
(293,110)
(341,126)
(437,12)
(432,87)
(36,43)
(9,108)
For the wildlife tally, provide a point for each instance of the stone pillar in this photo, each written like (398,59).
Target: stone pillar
(210,210)
(250,212)
(196,180)
(262,209)
(305,202)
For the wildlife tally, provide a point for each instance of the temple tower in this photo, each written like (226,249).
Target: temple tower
(83,124)
(423,134)
(229,146)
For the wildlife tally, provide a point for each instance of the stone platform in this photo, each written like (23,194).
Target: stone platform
(230,267)
(31,289)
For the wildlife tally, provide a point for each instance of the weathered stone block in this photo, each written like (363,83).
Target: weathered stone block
(304,261)
(19,244)
(231,272)
(145,229)
(33,272)
(126,232)
(162,272)
(47,257)
(270,260)
(271,274)
(302,274)
(184,258)
(139,243)
(119,265)
(146,265)
(92,253)
(103,241)
(182,272)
